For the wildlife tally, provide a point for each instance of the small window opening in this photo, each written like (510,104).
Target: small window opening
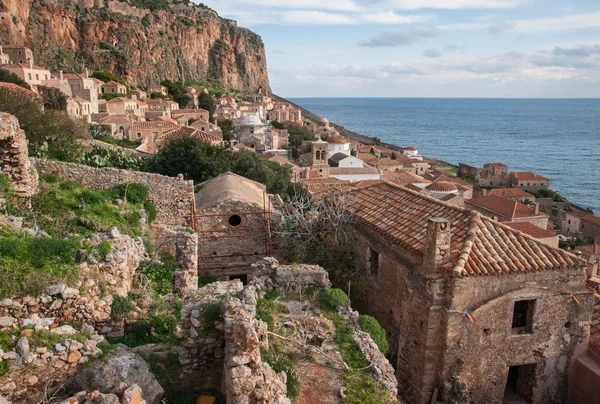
(235,220)
(522,322)
(243,278)
(373,262)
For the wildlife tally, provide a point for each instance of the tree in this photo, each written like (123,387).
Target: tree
(207,102)
(53,98)
(156,95)
(226,126)
(105,76)
(8,77)
(277,125)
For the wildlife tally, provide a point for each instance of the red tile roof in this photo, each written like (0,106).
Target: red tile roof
(591,219)
(337,139)
(528,176)
(531,229)
(503,206)
(479,246)
(510,193)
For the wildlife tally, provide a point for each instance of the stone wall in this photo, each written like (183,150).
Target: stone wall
(89,300)
(186,254)
(173,197)
(267,274)
(15,158)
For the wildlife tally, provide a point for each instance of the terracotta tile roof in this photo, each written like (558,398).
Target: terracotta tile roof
(113,83)
(189,132)
(578,213)
(411,148)
(591,219)
(75,76)
(441,186)
(531,229)
(479,246)
(337,139)
(120,99)
(114,119)
(528,176)
(510,193)
(352,170)
(404,177)
(16,88)
(503,206)
(153,125)
(25,66)
(321,187)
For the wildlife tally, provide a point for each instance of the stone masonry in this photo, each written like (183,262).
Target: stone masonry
(15,158)
(186,254)
(173,197)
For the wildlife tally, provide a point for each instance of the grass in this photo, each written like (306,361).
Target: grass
(362,389)
(161,274)
(64,208)
(150,329)
(129,144)
(353,357)
(30,264)
(282,363)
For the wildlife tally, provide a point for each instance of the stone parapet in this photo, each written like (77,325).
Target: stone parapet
(269,275)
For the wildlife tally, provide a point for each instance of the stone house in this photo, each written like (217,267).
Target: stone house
(572,223)
(197,114)
(515,194)
(121,106)
(158,107)
(17,54)
(233,217)
(474,310)
(158,89)
(529,181)
(79,109)
(323,129)
(85,87)
(4,58)
(507,210)
(139,95)
(338,144)
(207,127)
(182,132)
(112,87)
(590,226)
(28,72)
(141,110)
(116,125)
(152,129)
(543,235)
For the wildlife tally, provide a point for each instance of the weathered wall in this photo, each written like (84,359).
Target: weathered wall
(560,325)
(89,300)
(15,157)
(173,197)
(229,250)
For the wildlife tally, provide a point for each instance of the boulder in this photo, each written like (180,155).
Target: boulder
(121,366)
(64,330)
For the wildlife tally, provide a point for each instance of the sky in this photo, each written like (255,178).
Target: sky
(426,48)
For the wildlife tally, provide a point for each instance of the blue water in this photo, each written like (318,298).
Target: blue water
(557,138)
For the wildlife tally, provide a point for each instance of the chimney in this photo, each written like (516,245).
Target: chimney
(87,73)
(597,245)
(536,208)
(437,243)
(60,75)
(484,192)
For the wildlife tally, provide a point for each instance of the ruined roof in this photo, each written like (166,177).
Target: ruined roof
(528,176)
(531,229)
(504,206)
(153,125)
(230,186)
(510,193)
(479,245)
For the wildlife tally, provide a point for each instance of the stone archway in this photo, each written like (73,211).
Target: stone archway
(15,158)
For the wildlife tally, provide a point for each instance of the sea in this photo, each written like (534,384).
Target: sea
(557,138)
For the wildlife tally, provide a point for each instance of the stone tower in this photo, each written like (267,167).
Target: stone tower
(319,158)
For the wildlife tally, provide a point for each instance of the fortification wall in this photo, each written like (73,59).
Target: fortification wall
(173,197)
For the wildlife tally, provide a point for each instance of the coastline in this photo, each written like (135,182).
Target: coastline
(436,163)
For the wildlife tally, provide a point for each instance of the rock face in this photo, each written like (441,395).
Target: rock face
(174,41)
(121,367)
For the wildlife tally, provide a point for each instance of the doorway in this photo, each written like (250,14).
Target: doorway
(519,384)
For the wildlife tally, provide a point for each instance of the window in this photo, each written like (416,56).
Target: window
(569,221)
(235,220)
(522,320)
(37,76)
(373,262)
(29,76)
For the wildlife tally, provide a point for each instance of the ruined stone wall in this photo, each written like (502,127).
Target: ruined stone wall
(89,300)
(186,254)
(267,274)
(14,157)
(225,249)
(173,197)
(479,353)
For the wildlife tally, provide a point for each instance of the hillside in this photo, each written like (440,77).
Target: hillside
(144,41)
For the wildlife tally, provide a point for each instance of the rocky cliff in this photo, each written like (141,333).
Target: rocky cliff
(144,41)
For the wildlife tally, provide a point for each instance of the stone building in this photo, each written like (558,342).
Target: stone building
(507,210)
(511,193)
(85,87)
(529,181)
(475,312)
(28,72)
(17,53)
(112,87)
(233,217)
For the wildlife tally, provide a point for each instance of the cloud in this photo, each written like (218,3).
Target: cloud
(391,17)
(338,5)
(453,4)
(576,57)
(432,53)
(500,27)
(316,18)
(401,37)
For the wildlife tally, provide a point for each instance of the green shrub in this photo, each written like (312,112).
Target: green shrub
(162,274)
(271,295)
(361,389)
(206,281)
(4,368)
(103,249)
(211,313)
(134,193)
(30,264)
(345,340)
(151,329)
(375,330)
(332,298)
(281,363)
(265,309)
(6,187)
(121,305)
(150,211)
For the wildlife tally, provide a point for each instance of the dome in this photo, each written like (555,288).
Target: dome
(251,120)
(323,120)
(442,187)
(338,139)
(411,148)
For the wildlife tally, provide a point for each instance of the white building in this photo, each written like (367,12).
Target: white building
(338,144)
